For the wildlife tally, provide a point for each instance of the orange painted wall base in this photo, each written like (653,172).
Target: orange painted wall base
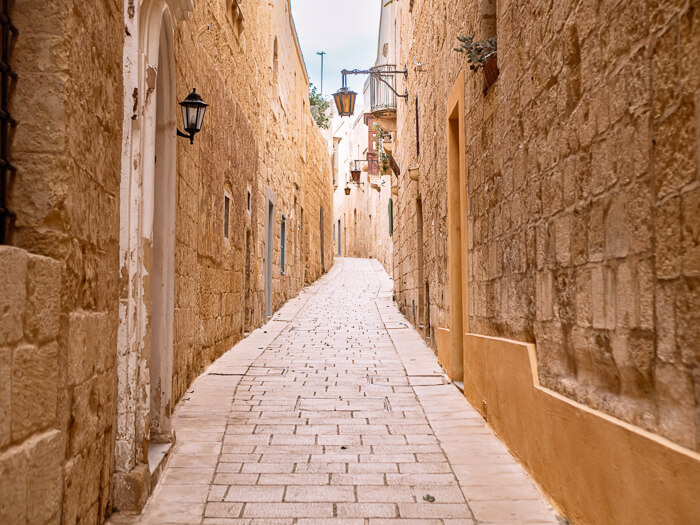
(445,351)
(596,469)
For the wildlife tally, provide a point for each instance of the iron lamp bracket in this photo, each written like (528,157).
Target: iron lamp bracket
(186,136)
(378,75)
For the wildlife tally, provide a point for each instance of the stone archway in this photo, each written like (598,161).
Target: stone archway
(147,229)
(163,273)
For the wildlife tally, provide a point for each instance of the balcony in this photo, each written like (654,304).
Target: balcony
(382,98)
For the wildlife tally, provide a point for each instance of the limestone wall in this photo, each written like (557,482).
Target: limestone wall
(85,242)
(59,354)
(582,192)
(257,105)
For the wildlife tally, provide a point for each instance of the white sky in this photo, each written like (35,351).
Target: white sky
(347,30)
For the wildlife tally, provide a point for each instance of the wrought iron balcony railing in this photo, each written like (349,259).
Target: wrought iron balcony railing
(383,90)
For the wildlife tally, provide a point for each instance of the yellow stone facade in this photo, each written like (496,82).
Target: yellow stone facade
(559,207)
(127,275)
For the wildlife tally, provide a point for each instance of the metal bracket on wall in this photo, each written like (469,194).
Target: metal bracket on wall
(9,32)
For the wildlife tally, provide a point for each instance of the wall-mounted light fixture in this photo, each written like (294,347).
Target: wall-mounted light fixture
(355,174)
(355,170)
(347,190)
(193,110)
(345,98)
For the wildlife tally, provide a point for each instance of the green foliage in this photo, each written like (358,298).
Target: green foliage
(319,108)
(382,157)
(479,52)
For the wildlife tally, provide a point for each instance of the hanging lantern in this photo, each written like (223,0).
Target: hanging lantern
(347,190)
(345,101)
(355,175)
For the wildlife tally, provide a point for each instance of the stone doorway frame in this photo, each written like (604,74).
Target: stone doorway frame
(148,47)
(457,230)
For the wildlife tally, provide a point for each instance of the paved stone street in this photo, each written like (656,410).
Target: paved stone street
(337,412)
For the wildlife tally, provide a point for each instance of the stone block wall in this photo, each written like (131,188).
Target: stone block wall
(59,354)
(318,193)
(239,150)
(56,400)
(32,437)
(429,86)
(582,191)
(58,357)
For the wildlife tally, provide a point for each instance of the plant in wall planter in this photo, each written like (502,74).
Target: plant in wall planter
(382,137)
(384,166)
(481,54)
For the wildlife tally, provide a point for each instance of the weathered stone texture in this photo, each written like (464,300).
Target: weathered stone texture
(68,104)
(253,110)
(582,183)
(32,437)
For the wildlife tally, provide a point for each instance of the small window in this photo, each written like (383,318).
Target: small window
(391,217)
(248,201)
(227,211)
(417,131)
(282,236)
(275,62)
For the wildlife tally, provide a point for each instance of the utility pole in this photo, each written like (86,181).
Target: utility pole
(321,53)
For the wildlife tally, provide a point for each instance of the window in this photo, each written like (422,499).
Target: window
(282,236)
(275,62)
(248,201)
(391,217)
(489,29)
(227,211)
(417,131)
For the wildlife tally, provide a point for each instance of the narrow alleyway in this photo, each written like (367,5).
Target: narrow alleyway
(337,412)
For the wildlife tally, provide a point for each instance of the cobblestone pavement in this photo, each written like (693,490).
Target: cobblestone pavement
(336,412)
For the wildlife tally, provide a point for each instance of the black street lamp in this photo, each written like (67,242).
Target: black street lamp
(193,110)
(345,99)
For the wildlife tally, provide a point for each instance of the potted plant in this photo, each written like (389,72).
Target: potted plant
(481,54)
(384,165)
(380,138)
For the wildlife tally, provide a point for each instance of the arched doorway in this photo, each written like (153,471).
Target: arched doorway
(163,280)
(146,246)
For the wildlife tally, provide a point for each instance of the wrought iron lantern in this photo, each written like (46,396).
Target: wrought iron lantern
(355,169)
(193,110)
(347,190)
(345,98)
(355,174)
